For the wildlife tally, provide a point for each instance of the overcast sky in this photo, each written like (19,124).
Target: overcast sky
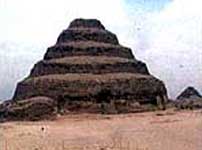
(166,34)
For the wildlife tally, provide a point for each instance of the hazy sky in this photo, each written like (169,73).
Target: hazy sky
(166,34)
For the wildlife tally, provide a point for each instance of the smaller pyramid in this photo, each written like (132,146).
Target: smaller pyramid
(190,98)
(189,93)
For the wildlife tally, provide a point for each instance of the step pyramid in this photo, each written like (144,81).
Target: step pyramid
(87,70)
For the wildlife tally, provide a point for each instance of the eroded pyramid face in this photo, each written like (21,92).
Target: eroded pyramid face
(87,64)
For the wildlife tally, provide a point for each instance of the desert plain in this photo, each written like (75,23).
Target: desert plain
(159,130)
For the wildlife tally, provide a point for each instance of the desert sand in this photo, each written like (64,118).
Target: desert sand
(168,130)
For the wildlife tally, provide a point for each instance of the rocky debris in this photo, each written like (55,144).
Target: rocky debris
(190,98)
(189,104)
(87,70)
(170,104)
(34,108)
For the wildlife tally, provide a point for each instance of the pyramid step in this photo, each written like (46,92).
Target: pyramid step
(88,64)
(87,48)
(86,23)
(86,34)
(88,86)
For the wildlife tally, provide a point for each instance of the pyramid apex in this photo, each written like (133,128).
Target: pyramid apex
(86,23)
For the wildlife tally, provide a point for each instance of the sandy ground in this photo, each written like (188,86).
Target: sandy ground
(167,130)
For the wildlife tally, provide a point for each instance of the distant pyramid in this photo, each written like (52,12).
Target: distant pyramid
(87,70)
(189,99)
(189,93)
